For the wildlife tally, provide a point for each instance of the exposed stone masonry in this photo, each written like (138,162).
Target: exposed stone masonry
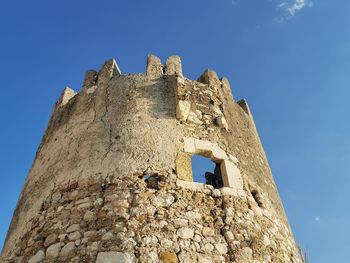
(82,223)
(112,179)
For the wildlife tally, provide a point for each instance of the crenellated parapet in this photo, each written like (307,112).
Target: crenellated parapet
(155,69)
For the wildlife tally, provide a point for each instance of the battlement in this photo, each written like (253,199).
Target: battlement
(154,70)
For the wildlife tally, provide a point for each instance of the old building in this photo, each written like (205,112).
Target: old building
(112,178)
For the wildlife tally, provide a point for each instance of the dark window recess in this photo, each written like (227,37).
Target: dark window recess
(151,180)
(257,197)
(204,170)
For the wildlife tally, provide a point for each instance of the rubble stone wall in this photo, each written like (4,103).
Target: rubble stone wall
(81,222)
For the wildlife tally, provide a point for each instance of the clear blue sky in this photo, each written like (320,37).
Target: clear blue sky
(289,58)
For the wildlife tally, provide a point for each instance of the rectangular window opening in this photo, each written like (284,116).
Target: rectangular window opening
(205,171)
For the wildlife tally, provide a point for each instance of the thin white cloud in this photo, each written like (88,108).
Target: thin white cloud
(291,7)
(317,219)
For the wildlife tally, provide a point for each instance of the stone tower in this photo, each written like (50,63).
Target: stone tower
(112,178)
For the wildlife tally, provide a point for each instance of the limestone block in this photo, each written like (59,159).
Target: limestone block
(91,89)
(216,193)
(228,191)
(193,118)
(162,200)
(203,147)
(89,216)
(189,146)
(112,257)
(173,66)
(184,166)
(185,233)
(38,257)
(218,154)
(194,186)
(229,236)
(180,222)
(221,122)
(72,228)
(208,77)
(208,247)
(231,176)
(245,254)
(188,256)
(107,236)
(50,239)
(149,256)
(208,231)
(108,70)
(154,67)
(68,249)
(66,95)
(53,250)
(150,241)
(168,257)
(216,109)
(182,110)
(74,235)
(221,248)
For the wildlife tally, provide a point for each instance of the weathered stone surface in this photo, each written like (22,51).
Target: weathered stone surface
(163,200)
(107,236)
(183,110)
(38,257)
(107,71)
(183,167)
(180,222)
(231,175)
(53,250)
(74,235)
(150,241)
(154,66)
(73,228)
(173,66)
(68,249)
(50,239)
(208,231)
(208,77)
(168,257)
(91,90)
(185,232)
(222,123)
(66,95)
(221,248)
(89,216)
(113,257)
(189,145)
(149,256)
(185,256)
(193,118)
(245,253)
(89,79)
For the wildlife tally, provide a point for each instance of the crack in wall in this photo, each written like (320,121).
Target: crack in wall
(80,139)
(110,130)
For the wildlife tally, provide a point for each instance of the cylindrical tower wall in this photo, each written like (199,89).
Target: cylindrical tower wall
(111,181)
